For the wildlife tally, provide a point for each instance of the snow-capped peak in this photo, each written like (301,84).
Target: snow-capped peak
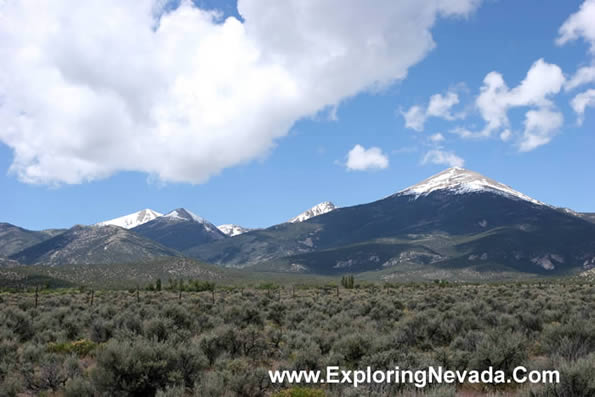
(458,180)
(182,214)
(232,230)
(318,209)
(132,220)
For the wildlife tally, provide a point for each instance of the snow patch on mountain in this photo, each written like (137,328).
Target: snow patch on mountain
(132,220)
(233,230)
(459,181)
(318,209)
(182,214)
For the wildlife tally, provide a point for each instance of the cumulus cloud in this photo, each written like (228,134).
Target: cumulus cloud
(415,118)
(580,102)
(495,99)
(584,75)
(442,157)
(540,127)
(467,133)
(91,88)
(580,25)
(361,159)
(439,106)
(437,138)
(542,82)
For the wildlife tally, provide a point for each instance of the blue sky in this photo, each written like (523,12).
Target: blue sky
(306,164)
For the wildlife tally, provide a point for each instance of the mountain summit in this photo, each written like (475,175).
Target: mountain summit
(182,214)
(180,229)
(318,209)
(233,230)
(132,220)
(459,180)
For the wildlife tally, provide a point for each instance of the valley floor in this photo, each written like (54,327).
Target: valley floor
(75,342)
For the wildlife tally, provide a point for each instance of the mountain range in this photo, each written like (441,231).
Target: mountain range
(457,224)
(93,245)
(457,219)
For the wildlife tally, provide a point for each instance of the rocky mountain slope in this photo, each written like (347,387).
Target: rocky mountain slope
(318,209)
(5,262)
(14,239)
(456,219)
(180,229)
(93,245)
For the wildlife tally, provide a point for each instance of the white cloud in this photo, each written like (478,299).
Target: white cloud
(505,135)
(542,81)
(580,25)
(584,75)
(443,158)
(361,159)
(540,127)
(580,102)
(467,133)
(91,88)
(439,106)
(437,138)
(415,118)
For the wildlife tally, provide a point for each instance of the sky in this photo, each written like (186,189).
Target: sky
(250,113)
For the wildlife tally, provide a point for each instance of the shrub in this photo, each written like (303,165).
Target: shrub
(101,331)
(277,313)
(308,357)
(82,347)
(136,368)
(78,387)
(11,387)
(32,352)
(247,381)
(190,361)
(52,374)
(500,350)
(352,347)
(178,316)
(211,347)
(212,384)
(157,329)
(243,316)
(576,380)
(19,322)
(570,341)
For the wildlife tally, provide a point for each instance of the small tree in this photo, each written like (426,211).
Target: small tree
(158,284)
